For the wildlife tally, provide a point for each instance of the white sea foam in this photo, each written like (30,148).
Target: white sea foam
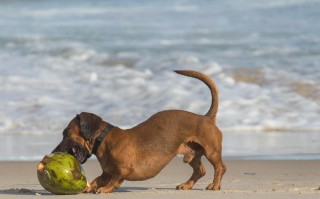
(62,87)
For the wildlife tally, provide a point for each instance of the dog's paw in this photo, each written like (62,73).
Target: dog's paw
(213,187)
(184,186)
(88,189)
(105,190)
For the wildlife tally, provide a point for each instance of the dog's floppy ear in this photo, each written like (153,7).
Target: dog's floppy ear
(89,124)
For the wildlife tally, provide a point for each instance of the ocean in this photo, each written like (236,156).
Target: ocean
(115,58)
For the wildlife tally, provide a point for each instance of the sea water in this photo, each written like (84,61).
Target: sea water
(115,59)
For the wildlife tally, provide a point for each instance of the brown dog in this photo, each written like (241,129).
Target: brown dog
(143,151)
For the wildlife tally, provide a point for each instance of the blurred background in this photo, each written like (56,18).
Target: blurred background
(115,58)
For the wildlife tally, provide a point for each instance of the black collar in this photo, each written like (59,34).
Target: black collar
(100,138)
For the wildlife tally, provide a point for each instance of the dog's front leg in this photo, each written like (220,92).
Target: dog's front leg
(104,184)
(96,183)
(112,185)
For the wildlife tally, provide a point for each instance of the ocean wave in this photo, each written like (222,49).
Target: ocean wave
(57,88)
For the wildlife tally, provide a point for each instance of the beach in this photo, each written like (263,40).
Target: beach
(116,59)
(244,179)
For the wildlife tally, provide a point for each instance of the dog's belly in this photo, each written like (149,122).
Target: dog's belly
(158,140)
(148,167)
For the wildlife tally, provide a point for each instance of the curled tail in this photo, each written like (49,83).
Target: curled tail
(212,86)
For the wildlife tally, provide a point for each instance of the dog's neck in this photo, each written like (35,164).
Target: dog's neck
(100,138)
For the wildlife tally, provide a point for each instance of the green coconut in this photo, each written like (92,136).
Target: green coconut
(61,173)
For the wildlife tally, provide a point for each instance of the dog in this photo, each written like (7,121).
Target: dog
(141,152)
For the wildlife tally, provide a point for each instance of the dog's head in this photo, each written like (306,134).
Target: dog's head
(78,136)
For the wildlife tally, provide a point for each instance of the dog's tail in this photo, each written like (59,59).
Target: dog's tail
(212,86)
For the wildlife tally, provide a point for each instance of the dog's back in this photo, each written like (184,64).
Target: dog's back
(177,126)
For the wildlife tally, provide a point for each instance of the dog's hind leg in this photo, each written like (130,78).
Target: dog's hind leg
(219,170)
(211,142)
(198,172)
(214,157)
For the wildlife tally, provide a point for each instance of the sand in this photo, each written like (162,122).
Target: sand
(244,179)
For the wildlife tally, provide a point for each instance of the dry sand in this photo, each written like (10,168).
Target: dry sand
(244,179)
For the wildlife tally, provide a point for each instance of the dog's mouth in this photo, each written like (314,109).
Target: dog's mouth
(77,151)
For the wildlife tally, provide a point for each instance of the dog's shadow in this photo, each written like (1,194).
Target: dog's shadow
(24,191)
(152,189)
(132,189)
